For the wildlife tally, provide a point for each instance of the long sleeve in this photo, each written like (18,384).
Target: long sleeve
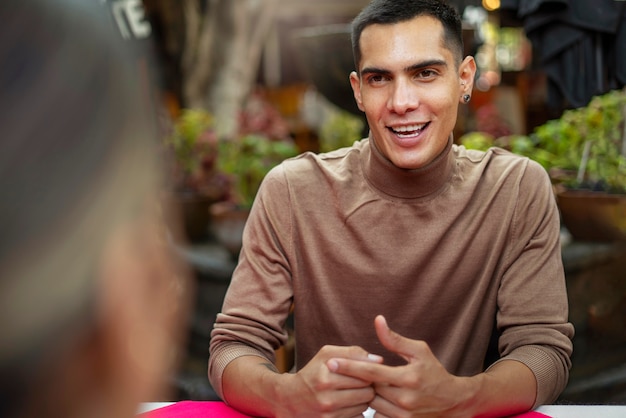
(259,297)
(532,314)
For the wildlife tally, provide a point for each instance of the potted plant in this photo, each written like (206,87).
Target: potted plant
(195,181)
(216,179)
(584,151)
(263,141)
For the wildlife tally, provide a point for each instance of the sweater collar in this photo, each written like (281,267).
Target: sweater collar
(402,183)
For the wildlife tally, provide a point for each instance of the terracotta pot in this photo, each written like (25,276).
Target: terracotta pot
(593,216)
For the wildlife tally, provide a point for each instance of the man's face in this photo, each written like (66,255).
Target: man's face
(409,88)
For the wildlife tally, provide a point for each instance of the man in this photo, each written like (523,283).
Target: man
(91,301)
(399,254)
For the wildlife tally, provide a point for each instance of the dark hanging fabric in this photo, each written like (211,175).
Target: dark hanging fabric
(619,49)
(580,44)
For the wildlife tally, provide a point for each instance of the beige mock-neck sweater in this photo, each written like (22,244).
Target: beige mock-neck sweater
(442,252)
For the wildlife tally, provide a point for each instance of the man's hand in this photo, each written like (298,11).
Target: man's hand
(253,385)
(316,391)
(342,381)
(422,387)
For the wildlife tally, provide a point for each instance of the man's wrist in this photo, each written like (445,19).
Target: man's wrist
(281,388)
(505,389)
(470,395)
(253,381)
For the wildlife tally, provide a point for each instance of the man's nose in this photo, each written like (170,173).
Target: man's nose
(403,97)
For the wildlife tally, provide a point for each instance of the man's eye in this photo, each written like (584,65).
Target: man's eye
(426,74)
(378,78)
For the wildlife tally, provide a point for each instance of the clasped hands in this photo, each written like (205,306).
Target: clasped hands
(344,381)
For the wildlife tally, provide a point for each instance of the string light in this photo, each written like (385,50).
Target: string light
(491,5)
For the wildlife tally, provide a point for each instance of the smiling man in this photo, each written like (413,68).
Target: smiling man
(408,84)
(400,254)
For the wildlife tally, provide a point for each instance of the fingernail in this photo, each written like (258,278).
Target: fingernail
(374,357)
(332,365)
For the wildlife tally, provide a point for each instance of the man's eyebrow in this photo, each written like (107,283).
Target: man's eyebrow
(414,67)
(374,70)
(425,64)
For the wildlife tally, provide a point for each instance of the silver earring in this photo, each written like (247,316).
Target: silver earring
(466,98)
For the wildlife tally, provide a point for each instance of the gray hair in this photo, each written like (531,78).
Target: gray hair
(77,157)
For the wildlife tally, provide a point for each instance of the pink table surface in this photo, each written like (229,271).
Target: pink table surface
(210,409)
(194,409)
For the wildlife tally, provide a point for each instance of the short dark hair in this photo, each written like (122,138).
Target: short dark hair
(388,12)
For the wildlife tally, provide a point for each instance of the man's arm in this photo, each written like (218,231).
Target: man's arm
(253,385)
(423,387)
(506,388)
(532,314)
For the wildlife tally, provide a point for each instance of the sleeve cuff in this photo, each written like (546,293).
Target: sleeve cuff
(221,357)
(550,372)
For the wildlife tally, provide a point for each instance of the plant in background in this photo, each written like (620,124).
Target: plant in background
(340,129)
(247,159)
(481,141)
(262,143)
(193,152)
(588,141)
(228,170)
(583,149)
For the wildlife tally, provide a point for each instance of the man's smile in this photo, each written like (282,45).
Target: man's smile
(408,131)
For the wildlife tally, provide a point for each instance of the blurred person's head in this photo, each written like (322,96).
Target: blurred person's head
(90,300)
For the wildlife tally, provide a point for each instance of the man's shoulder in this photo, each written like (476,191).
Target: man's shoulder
(497,158)
(497,164)
(477,156)
(309,163)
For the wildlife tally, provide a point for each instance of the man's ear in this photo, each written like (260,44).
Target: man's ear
(355,82)
(467,72)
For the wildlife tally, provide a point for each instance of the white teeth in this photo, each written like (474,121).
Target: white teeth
(408,128)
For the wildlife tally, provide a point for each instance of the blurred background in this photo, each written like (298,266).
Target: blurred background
(243,84)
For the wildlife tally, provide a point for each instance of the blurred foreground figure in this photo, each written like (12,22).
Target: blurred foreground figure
(90,300)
